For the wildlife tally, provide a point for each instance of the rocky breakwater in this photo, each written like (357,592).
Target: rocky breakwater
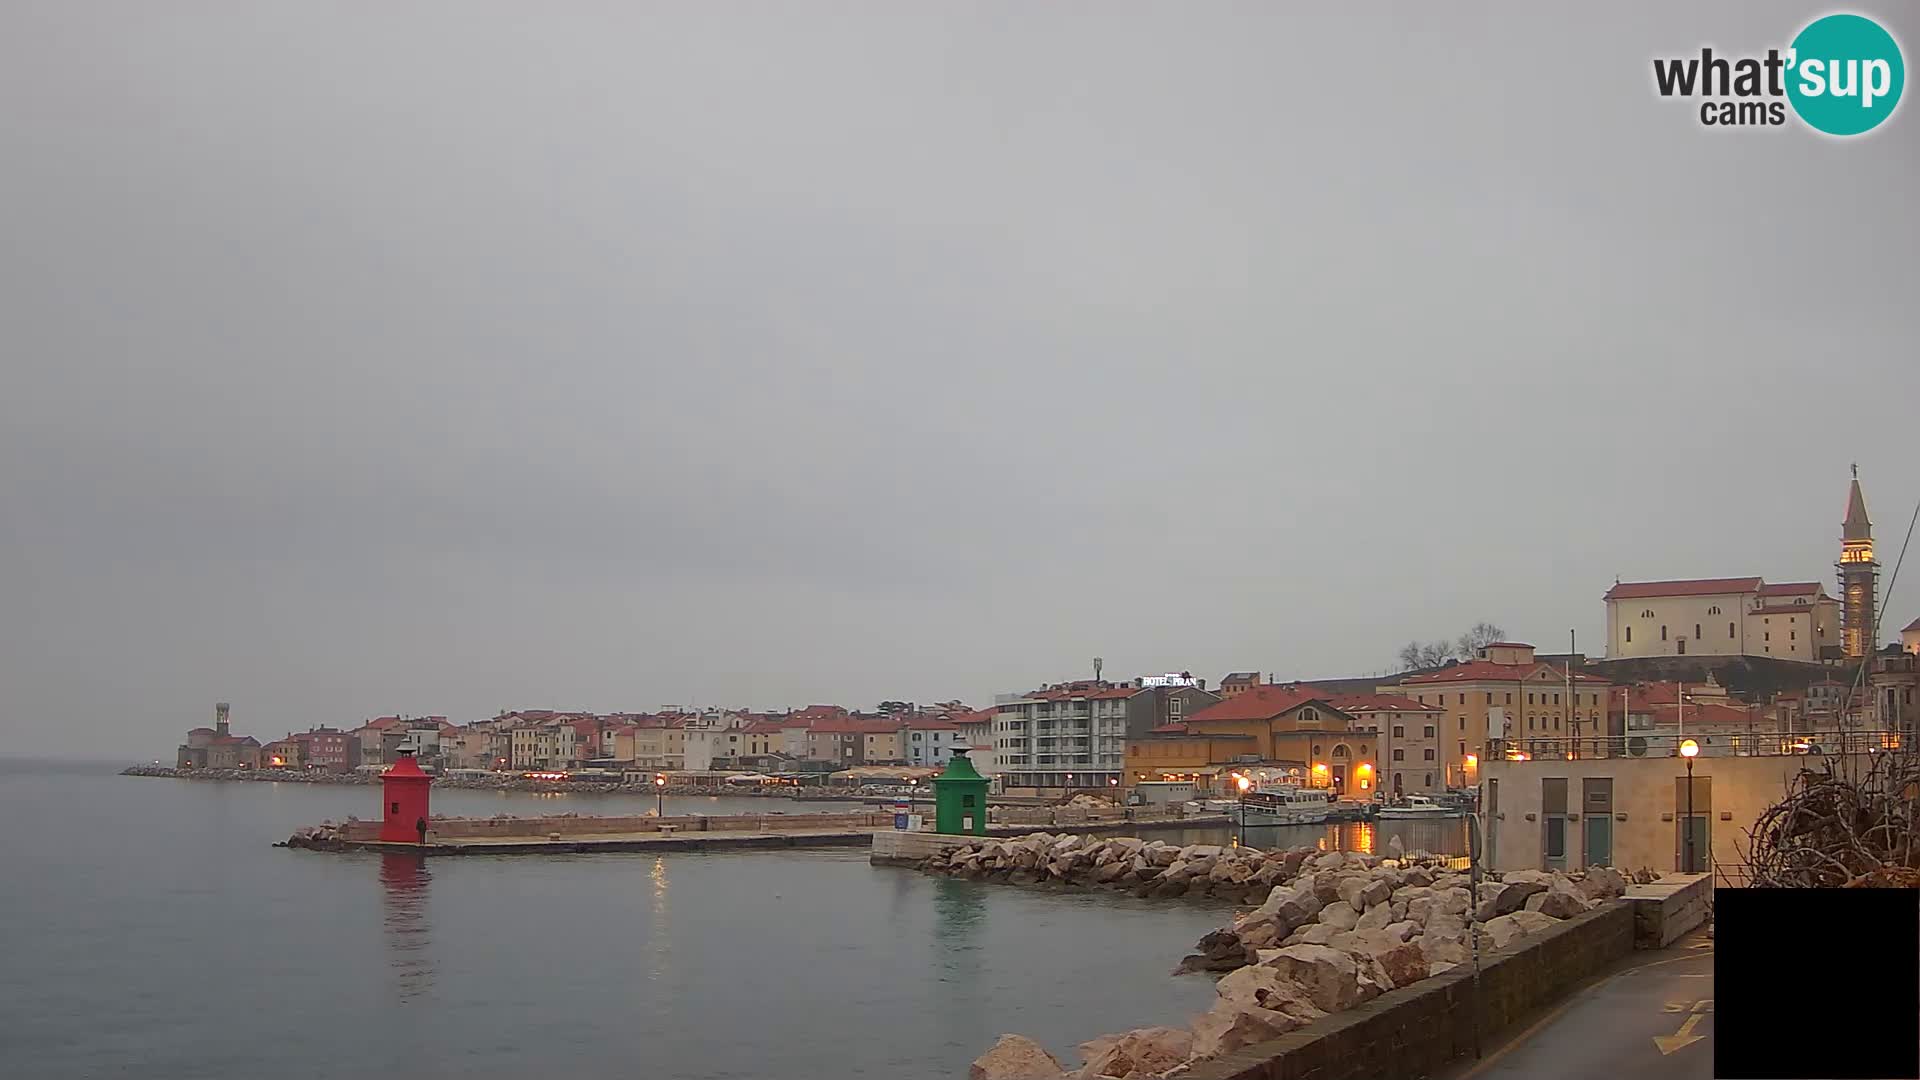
(325,836)
(1343,929)
(1146,868)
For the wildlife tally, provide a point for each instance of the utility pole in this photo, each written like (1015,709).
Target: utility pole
(1573,717)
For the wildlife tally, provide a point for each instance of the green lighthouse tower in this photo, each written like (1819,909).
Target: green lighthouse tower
(960,798)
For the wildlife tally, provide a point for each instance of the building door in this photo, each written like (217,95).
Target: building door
(1553,813)
(1682,643)
(1599,840)
(1596,806)
(1692,818)
(1556,842)
(1696,859)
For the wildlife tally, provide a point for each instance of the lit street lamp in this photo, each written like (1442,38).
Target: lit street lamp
(1689,750)
(660,794)
(1243,783)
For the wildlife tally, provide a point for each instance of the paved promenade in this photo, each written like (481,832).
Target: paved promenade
(1651,1020)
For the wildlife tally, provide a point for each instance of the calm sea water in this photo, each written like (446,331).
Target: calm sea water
(153,931)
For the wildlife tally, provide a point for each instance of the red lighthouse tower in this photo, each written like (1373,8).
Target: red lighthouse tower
(404,798)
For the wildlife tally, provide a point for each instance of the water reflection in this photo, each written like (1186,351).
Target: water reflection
(1447,836)
(405,883)
(959,955)
(659,928)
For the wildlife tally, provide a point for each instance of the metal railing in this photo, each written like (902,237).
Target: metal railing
(1715,743)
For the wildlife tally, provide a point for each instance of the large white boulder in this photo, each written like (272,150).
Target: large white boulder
(1016,1057)
(1143,1052)
(1329,976)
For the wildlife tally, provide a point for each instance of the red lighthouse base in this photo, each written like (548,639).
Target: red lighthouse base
(403,802)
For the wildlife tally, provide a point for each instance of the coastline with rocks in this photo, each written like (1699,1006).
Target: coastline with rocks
(1332,930)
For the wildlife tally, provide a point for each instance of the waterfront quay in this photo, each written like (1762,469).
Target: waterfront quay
(704,832)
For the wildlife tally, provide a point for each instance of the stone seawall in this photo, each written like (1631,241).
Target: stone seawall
(1411,1032)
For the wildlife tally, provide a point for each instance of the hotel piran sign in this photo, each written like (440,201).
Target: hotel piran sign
(1169,680)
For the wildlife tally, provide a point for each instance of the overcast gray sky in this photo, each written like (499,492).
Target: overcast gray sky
(448,357)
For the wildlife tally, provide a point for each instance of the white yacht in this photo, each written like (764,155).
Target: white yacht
(1285,806)
(1417,806)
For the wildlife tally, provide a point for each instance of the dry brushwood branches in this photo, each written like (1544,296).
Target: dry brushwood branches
(1841,827)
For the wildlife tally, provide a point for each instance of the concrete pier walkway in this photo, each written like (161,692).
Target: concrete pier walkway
(1651,1020)
(611,842)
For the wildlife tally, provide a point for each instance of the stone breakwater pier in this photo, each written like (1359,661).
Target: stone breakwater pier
(1350,966)
(583,834)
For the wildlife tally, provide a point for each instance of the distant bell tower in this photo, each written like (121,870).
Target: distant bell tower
(1859,575)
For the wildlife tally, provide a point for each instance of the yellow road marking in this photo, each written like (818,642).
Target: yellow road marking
(1680,1039)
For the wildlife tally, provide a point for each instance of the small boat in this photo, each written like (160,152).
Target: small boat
(1285,806)
(1208,807)
(1416,807)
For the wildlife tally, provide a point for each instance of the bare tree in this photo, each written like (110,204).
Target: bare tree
(1479,636)
(1415,656)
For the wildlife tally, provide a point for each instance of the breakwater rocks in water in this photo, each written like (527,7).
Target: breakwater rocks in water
(323,837)
(515,782)
(1148,868)
(1341,929)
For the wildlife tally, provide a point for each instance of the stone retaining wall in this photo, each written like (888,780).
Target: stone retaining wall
(1667,909)
(1412,1032)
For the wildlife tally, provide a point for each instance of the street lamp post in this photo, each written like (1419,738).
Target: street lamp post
(1243,783)
(660,794)
(1689,750)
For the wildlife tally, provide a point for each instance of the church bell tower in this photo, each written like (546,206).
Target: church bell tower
(1859,575)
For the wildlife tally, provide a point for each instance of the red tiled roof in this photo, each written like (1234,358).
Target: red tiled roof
(846,725)
(1359,703)
(1260,703)
(979,716)
(1168,729)
(764,727)
(930,723)
(1791,588)
(1630,590)
(1083,690)
(1708,714)
(1488,671)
